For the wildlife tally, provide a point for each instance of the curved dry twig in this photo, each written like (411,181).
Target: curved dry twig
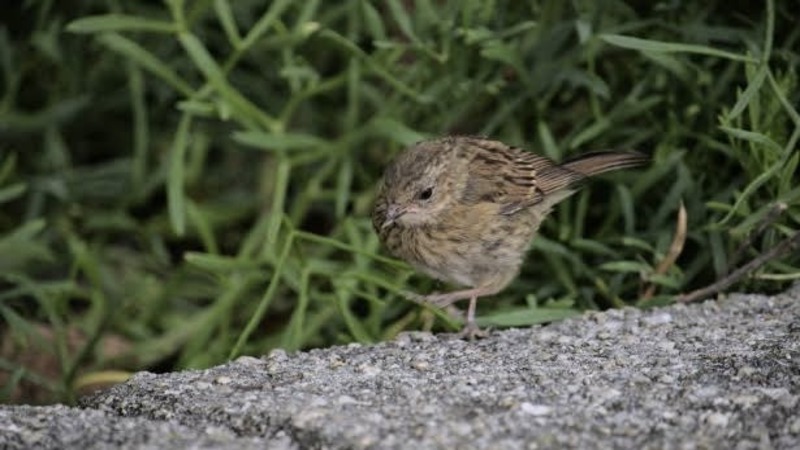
(788,244)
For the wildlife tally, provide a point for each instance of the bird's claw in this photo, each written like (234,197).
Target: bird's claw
(472,331)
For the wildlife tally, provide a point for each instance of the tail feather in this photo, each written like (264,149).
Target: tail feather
(565,177)
(595,163)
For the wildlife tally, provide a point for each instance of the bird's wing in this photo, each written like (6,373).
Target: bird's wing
(512,177)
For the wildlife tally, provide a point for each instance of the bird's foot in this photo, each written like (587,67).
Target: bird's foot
(472,331)
(445,301)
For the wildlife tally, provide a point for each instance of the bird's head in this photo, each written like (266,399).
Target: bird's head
(418,185)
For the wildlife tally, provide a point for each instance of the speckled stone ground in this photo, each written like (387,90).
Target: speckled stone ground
(715,375)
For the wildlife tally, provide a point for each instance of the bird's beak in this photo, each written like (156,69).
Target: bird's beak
(393,212)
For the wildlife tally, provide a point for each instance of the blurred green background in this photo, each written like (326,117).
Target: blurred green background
(183,182)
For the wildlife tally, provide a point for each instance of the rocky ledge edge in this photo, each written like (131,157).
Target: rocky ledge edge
(721,374)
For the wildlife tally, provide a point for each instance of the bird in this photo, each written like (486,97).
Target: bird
(464,209)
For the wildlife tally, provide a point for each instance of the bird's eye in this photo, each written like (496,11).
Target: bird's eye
(425,194)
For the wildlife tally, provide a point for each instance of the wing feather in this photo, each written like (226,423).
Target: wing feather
(512,177)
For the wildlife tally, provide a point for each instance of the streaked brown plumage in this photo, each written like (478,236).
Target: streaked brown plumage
(464,209)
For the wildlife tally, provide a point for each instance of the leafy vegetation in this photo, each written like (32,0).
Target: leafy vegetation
(188,181)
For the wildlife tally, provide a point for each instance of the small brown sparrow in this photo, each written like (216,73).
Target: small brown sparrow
(464,210)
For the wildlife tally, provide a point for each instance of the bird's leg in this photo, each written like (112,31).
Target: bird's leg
(471,329)
(448,298)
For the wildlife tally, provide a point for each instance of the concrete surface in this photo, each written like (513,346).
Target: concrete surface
(715,375)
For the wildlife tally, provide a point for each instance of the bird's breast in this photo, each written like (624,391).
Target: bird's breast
(466,247)
(423,247)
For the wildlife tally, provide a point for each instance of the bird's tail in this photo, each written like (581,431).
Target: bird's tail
(595,163)
(566,177)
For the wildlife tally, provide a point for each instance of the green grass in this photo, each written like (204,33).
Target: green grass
(193,180)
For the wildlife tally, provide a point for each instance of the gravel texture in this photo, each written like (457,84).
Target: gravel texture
(715,375)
